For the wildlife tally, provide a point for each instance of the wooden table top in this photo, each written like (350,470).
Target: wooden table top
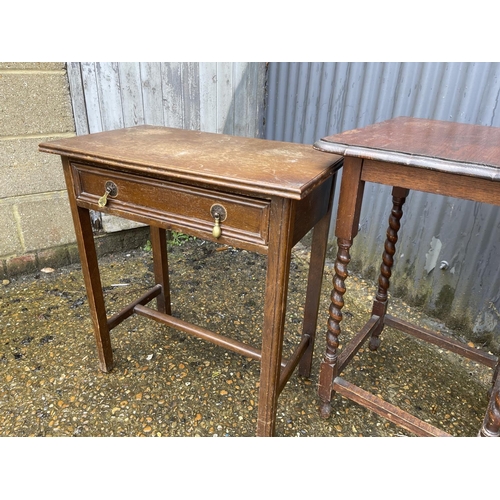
(248,165)
(472,150)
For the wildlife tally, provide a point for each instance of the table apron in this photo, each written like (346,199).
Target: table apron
(175,206)
(432,181)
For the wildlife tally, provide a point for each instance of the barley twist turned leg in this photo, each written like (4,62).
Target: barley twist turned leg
(329,367)
(380,303)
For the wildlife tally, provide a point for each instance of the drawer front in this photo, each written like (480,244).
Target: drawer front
(172,205)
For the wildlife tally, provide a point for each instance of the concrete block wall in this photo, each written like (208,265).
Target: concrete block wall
(36,228)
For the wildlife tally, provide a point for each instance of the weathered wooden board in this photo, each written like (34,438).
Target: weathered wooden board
(222,97)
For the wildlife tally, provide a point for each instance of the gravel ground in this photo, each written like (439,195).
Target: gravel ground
(166,383)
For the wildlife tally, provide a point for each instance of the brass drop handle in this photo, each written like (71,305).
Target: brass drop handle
(111,190)
(103,199)
(219,214)
(216,231)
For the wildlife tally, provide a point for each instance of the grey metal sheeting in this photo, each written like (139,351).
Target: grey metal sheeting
(447,257)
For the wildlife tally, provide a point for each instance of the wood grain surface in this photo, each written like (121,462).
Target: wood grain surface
(258,166)
(446,146)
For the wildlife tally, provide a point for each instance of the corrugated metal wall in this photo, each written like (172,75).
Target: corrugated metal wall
(307,101)
(213,97)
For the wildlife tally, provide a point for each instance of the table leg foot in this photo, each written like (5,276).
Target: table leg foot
(491,424)
(104,350)
(328,372)
(106,367)
(325,410)
(374,343)
(496,376)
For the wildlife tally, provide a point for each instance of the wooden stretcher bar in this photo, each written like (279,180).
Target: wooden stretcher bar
(386,410)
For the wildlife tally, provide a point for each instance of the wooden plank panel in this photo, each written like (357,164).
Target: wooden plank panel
(225,121)
(130,85)
(77,99)
(91,96)
(152,93)
(208,96)
(213,97)
(260,101)
(190,96)
(171,82)
(253,93)
(108,85)
(240,99)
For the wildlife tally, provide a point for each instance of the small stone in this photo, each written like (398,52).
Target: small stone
(47,270)
(198,417)
(147,428)
(223,392)
(5,282)
(138,396)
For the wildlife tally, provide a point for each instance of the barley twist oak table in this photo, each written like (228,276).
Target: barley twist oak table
(439,157)
(254,194)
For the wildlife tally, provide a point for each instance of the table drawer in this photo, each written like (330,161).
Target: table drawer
(172,205)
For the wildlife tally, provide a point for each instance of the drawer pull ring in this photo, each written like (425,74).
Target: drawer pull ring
(111,190)
(218,212)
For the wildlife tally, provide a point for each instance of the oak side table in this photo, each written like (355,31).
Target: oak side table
(253,194)
(439,157)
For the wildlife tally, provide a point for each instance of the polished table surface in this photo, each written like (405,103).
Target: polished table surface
(247,165)
(440,157)
(446,146)
(254,194)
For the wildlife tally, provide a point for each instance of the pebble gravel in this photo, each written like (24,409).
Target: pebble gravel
(166,383)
